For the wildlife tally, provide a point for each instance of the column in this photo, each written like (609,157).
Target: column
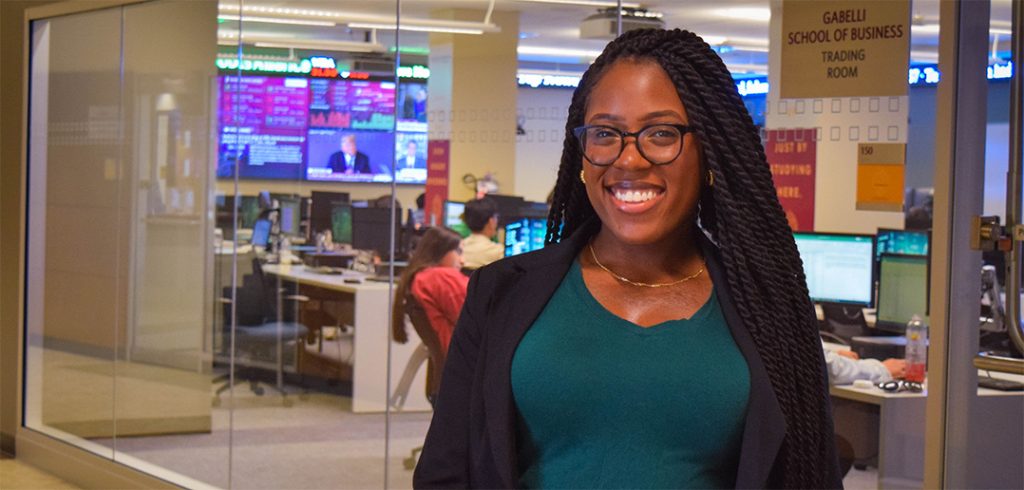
(472,99)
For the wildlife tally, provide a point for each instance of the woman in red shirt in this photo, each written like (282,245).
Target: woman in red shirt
(435,279)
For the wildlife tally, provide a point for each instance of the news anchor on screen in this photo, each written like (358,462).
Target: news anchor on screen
(349,160)
(412,159)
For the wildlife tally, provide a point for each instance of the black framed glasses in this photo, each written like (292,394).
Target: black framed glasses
(659,144)
(898,385)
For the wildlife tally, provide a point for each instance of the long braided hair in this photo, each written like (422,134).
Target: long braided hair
(742,215)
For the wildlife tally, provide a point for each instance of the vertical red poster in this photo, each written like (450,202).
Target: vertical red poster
(436,192)
(792,155)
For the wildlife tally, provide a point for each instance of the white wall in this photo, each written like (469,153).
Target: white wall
(842,123)
(542,113)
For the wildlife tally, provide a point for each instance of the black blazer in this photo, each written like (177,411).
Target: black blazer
(471,441)
(361,164)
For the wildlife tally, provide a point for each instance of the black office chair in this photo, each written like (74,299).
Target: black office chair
(844,322)
(264,334)
(435,357)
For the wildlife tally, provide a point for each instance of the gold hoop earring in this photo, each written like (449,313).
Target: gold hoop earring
(582,179)
(711,179)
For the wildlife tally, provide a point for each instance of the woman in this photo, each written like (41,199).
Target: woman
(434,278)
(665,338)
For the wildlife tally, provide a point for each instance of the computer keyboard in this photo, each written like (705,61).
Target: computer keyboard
(323,269)
(1000,384)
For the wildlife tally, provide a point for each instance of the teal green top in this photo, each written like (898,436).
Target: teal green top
(606,403)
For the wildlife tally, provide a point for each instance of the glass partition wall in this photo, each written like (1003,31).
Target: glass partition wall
(205,260)
(223,195)
(119,297)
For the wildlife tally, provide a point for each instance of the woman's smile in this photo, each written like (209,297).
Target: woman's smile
(634,197)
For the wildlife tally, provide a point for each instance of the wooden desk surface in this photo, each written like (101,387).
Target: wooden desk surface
(336,282)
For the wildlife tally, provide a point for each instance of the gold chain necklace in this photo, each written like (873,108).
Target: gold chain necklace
(641,284)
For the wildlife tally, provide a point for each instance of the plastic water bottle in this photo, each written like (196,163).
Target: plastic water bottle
(917,349)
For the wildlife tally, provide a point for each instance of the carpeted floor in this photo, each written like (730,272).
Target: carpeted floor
(315,443)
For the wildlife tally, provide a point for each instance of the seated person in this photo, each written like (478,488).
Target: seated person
(481,217)
(845,367)
(433,275)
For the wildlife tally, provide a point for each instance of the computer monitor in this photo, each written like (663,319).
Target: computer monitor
(839,267)
(248,211)
(320,209)
(290,215)
(509,207)
(530,209)
(341,223)
(524,235)
(903,242)
(261,233)
(453,213)
(902,291)
(371,229)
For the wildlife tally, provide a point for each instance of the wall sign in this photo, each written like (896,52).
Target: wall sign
(880,176)
(792,156)
(844,48)
(436,192)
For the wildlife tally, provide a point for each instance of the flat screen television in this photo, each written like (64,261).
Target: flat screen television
(412,107)
(262,127)
(410,157)
(342,155)
(294,128)
(351,104)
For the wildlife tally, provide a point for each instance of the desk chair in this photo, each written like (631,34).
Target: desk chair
(845,322)
(262,332)
(430,350)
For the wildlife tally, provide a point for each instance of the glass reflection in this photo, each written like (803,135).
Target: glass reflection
(76,317)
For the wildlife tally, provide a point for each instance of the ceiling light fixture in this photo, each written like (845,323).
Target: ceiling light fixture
(322,45)
(558,52)
(747,49)
(752,68)
(586,3)
(424,28)
(746,13)
(934,29)
(291,42)
(277,10)
(276,20)
(359,20)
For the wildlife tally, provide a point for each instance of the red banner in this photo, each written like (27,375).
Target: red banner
(792,155)
(436,192)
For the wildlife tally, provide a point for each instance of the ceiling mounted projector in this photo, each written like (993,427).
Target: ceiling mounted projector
(604,24)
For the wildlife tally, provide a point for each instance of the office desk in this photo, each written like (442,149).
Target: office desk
(371,337)
(901,424)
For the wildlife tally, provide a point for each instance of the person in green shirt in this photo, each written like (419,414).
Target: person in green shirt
(664,337)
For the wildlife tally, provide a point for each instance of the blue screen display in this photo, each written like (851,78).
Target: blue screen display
(524,235)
